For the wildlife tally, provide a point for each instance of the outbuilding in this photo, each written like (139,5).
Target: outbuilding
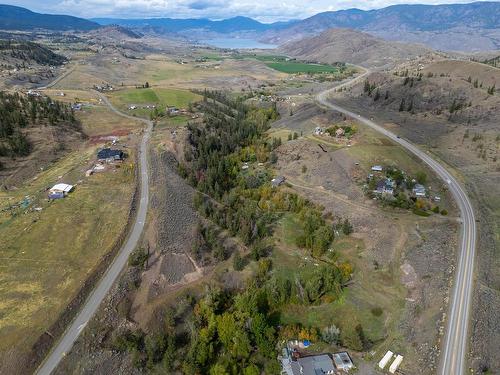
(60,190)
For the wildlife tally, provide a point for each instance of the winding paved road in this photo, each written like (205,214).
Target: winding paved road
(455,342)
(99,293)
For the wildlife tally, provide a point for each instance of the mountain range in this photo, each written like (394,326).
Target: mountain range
(465,27)
(18,18)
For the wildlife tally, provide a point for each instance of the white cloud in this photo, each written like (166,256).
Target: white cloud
(266,11)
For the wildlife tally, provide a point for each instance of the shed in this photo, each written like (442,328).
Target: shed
(343,361)
(61,188)
(385,360)
(396,364)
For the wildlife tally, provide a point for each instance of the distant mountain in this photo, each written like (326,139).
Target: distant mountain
(352,46)
(173,25)
(17,18)
(469,27)
(115,32)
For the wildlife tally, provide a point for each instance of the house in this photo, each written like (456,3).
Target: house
(277,181)
(385,186)
(108,154)
(293,364)
(343,361)
(377,168)
(419,190)
(60,190)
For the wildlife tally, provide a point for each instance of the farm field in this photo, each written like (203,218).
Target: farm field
(160,97)
(291,66)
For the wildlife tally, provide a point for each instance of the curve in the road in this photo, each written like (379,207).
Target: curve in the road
(92,303)
(455,342)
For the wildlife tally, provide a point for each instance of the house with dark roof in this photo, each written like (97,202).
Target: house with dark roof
(108,154)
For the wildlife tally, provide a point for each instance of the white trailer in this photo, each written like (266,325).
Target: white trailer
(384,361)
(396,364)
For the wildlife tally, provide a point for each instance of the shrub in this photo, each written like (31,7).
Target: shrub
(377,311)
(238,263)
(138,257)
(420,212)
(444,212)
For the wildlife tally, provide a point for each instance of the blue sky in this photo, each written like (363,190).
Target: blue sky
(262,10)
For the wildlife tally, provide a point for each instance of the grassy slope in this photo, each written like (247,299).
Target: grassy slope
(47,255)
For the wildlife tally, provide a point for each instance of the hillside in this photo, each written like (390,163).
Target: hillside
(464,27)
(17,18)
(353,47)
(17,53)
(114,32)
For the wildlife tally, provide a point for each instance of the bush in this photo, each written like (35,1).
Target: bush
(331,335)
(138,257)
(238,263)
(377,311)
(435,209)
(420,212)
(444,212)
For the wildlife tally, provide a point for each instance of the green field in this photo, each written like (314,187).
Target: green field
(157,96)
(291,66)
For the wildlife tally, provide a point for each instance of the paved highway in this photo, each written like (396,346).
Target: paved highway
(454,346)
(99,293)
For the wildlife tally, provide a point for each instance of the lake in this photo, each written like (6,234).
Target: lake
(237,43)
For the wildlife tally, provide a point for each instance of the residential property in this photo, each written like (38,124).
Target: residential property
(385,186)
(108,154)
(295,360)
(277,181)
(292,364)
(419,190)
(60,190)
(377,168)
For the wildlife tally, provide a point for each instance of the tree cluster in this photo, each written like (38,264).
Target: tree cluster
(19,112)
